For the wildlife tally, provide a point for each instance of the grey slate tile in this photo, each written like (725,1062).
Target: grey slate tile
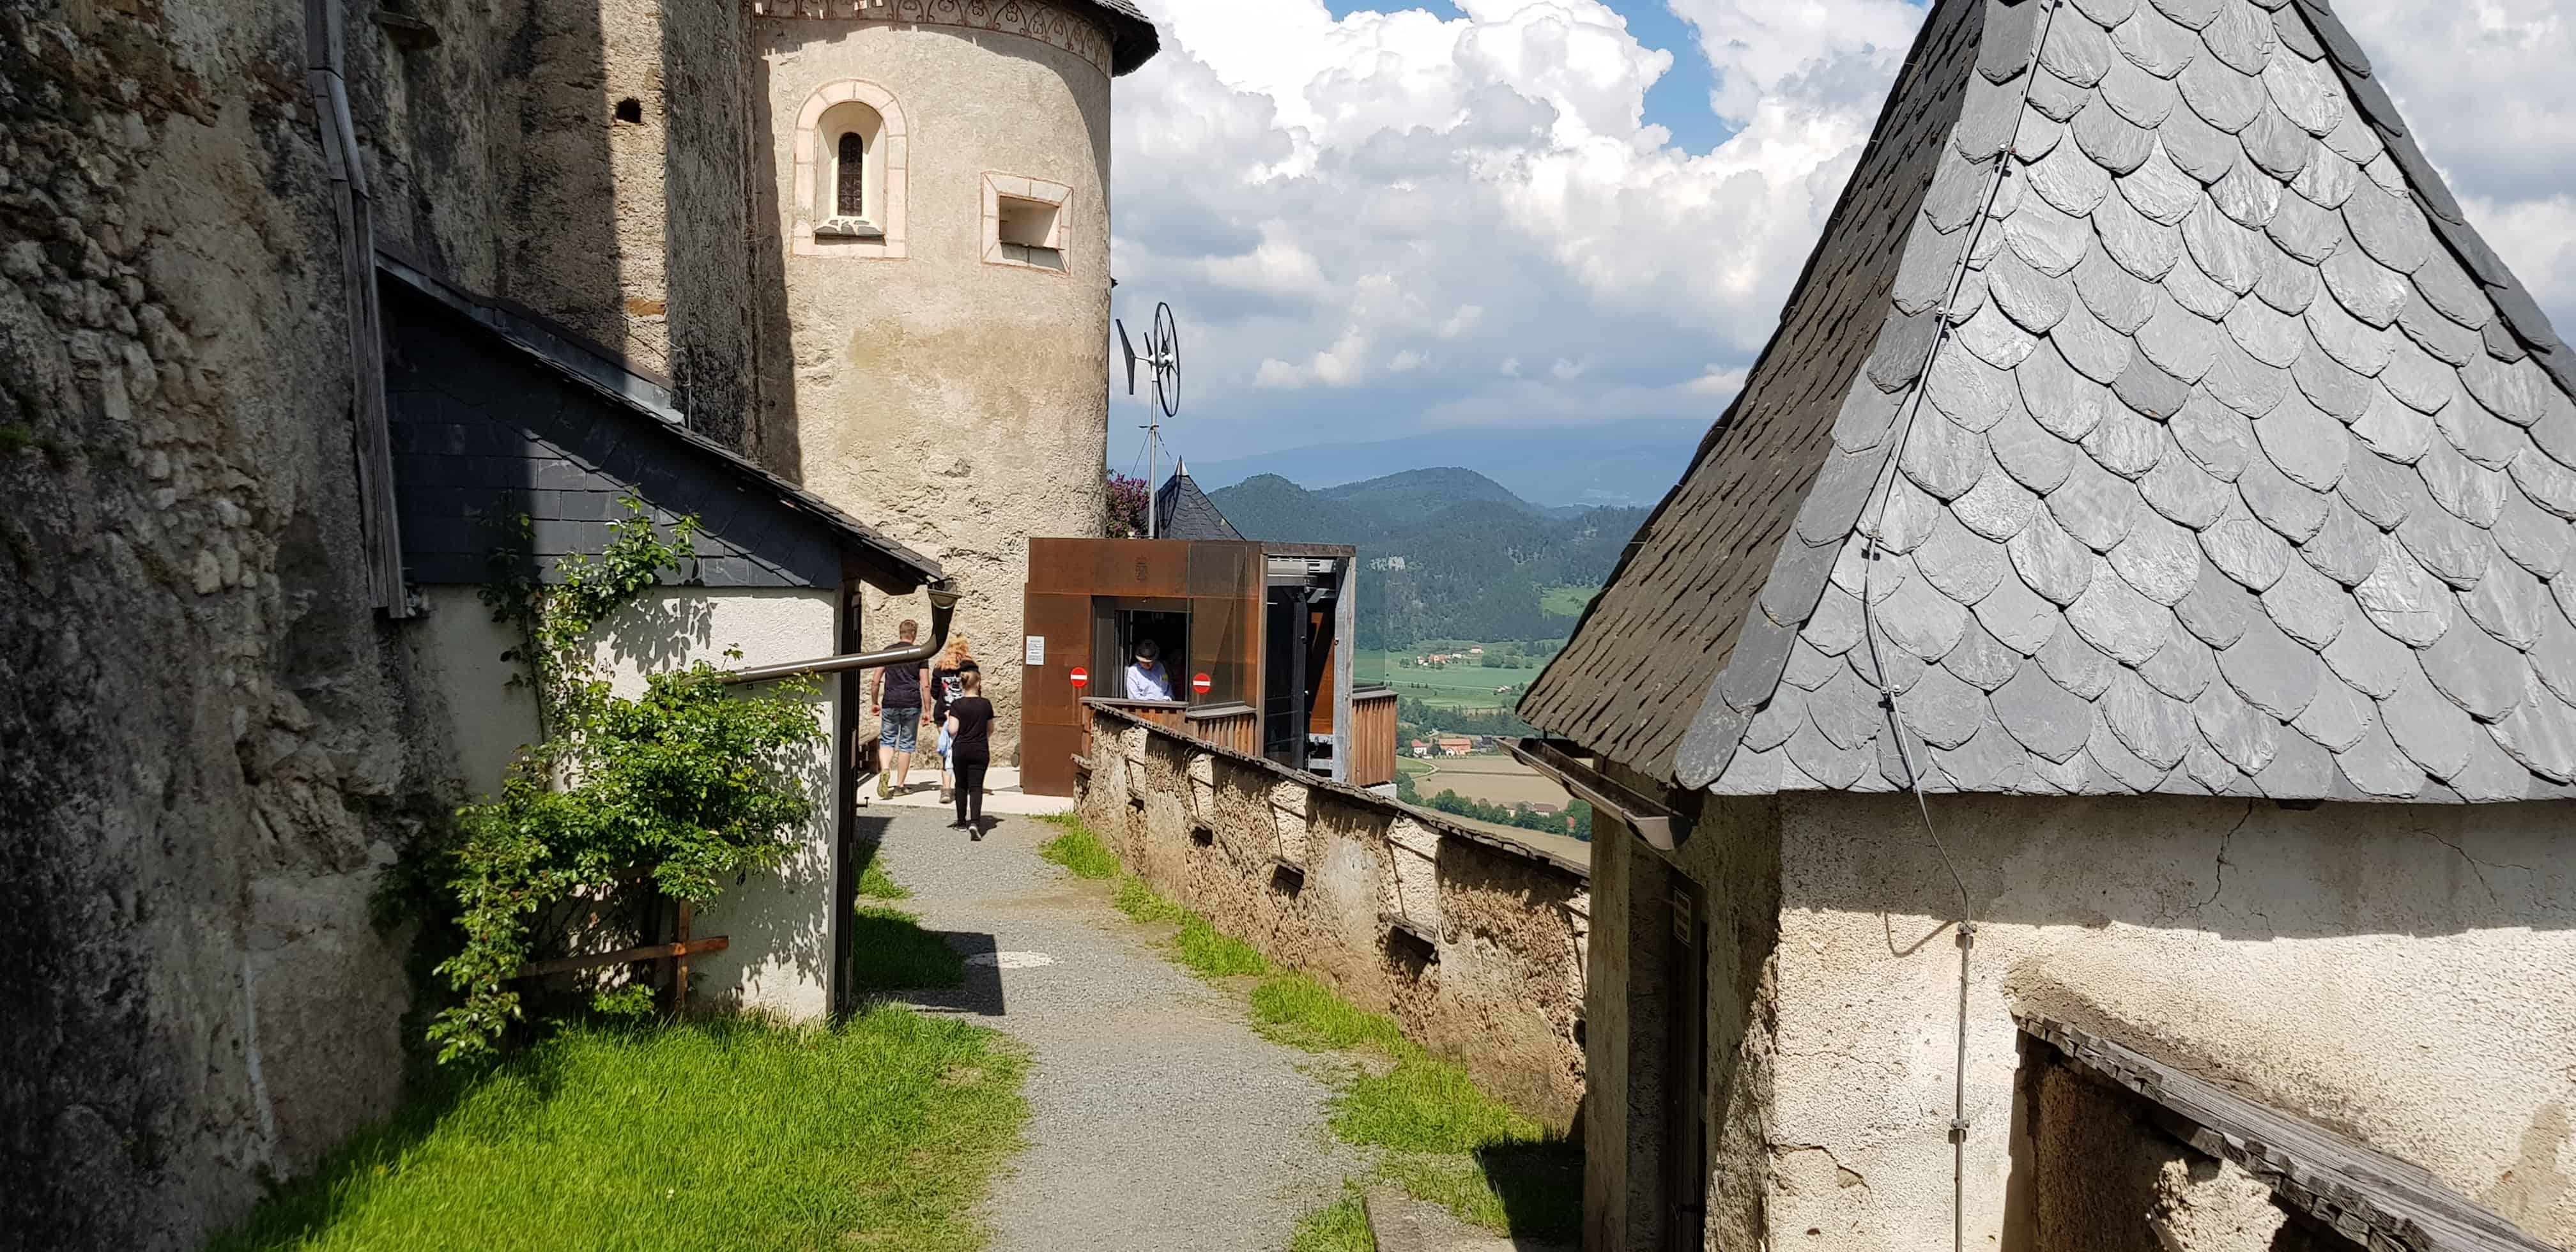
(2201,371)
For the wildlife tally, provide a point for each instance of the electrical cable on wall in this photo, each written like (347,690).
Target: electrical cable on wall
(1967,925)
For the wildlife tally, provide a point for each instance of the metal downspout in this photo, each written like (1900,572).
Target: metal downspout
(943,607)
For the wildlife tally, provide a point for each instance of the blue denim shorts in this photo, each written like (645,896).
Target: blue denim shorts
(900,729)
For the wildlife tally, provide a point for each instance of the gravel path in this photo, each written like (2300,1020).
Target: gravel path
(1158,1119)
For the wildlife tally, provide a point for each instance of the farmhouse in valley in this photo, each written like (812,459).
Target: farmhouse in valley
(2144,550)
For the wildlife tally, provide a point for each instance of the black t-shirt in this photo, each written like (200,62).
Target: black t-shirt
(973,740)
(903,687)
(946,685)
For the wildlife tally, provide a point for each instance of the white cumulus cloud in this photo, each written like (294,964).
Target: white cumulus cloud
(1319,197)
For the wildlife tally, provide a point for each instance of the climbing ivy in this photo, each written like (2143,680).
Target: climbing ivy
(684,787)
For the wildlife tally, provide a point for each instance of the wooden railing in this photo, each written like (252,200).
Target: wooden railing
(1372,736)
(1236,727)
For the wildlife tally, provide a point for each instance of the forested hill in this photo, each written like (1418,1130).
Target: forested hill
(1477,560)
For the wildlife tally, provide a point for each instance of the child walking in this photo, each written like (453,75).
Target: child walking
(946,685)
(970,726)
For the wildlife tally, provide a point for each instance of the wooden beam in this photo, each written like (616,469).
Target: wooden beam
(623,956)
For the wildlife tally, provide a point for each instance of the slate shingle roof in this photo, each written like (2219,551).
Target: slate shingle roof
(1182,511)
(2236,463)
(1132,38)
(497,412)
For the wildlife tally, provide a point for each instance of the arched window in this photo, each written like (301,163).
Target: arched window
(850,172)
(851,146)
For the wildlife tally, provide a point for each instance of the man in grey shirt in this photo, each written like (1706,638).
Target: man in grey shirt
(1147,679)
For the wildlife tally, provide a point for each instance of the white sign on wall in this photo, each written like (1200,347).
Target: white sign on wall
(1037,650)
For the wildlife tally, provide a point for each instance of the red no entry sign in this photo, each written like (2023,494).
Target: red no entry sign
(1200,684)
(1079,675)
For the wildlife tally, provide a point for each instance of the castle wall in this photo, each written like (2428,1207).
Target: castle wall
(956,402)
(1489,968)
(209,744)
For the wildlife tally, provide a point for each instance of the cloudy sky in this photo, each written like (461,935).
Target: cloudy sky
(1561,213)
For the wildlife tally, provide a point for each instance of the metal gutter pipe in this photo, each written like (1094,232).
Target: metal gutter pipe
(943,607)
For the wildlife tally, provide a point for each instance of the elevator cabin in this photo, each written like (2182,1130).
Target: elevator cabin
(1253,638)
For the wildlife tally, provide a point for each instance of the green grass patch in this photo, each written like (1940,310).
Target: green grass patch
(1212,953)
(1423,1105)
(890,951)
(1341,1226)
(726,1134)
(1533,1190)
(875,885)
(1566,601)
(1199,946)
(1139,902)
(1297,1010)
(1079,850)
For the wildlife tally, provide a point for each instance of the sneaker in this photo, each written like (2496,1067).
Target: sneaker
(885,787)
(978,836)
(946,796)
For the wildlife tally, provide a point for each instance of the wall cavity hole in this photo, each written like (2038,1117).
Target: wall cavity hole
(1201,835)
(631,110)
(1579,1039)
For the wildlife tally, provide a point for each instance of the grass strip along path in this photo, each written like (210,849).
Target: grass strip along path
(722,1133)
(728,1133)
(1440,1137)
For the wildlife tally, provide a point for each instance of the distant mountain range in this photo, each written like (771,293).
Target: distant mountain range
(1446,553)
(1614,463)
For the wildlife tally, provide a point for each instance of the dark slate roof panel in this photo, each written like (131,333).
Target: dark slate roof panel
(2242,467)
(1182,511)
(495,415)
(1650,647)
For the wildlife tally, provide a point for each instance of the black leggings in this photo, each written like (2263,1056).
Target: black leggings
(970,788)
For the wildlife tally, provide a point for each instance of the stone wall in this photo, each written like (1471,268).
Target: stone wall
(1217,831)
(2390,971)
(209,744)
(2098,1175)
(204,754)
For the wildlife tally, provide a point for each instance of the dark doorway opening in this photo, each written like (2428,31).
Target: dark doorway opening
(1685,1071)
(1287,692)
(1120,625)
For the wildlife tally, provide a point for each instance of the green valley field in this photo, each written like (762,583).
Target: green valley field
(1461,685)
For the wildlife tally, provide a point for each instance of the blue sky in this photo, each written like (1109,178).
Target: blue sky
(1410,221)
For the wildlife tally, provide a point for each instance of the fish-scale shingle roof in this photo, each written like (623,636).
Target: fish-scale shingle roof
(2199,447)
(1182,511)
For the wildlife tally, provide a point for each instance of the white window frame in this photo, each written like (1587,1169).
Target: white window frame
(1054,195)
(832,110)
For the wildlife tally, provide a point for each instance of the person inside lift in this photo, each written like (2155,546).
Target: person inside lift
(1147,679)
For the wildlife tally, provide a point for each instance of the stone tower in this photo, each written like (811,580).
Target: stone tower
(939,187)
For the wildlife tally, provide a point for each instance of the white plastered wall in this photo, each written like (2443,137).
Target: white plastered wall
(781,925)
(2402,972)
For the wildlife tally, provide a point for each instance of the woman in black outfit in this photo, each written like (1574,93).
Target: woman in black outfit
(970,737)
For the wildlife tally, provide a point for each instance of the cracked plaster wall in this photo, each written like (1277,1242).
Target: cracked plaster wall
(956,404)
(2391,971)
(1504,997)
